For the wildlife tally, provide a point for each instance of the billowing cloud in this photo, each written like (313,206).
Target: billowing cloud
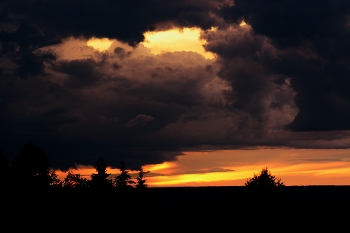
(312,39)
(274,80)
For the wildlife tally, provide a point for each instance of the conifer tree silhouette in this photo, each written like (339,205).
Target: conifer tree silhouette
(100,180)
(264,179)
(140,181)
(123,180)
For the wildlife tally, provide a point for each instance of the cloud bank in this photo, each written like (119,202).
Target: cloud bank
(281,79)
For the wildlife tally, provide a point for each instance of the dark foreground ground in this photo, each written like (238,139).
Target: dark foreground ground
(187,209)
(183,195)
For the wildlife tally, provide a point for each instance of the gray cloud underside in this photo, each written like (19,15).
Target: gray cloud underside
(275,82)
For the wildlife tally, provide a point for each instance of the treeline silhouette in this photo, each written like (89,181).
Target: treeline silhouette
(31,169)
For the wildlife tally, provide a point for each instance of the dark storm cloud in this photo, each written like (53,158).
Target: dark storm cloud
(123,20)
(312,38)
(255,95)
(139,120)
(82,108)
(121,52)
(288,68)
(17,47)
(80,72)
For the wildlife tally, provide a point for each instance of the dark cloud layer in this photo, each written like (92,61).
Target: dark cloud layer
(122,20)
(276,80)
(313,42)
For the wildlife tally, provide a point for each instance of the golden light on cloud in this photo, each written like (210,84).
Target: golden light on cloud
(164,167)
(243,24)
(173,40)
(100,44)
(187,179)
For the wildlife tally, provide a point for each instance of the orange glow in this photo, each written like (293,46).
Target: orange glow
(181,180)
(187,39)
(71,49)
(293,166)
(242,24)
(311,174)
(165,167)
(100,44)
(172,40)
(234,167)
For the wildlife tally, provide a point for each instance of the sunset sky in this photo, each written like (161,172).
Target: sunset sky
(199,93)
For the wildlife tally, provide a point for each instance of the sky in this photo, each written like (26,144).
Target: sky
(198,92)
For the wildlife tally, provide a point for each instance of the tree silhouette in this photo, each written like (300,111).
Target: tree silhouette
(100,180)
(264,179)
(31,168)
(140,181)
(55,181)
(75,181)
(123,180)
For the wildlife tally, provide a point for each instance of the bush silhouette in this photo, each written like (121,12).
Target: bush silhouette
(75,181)
(264,179)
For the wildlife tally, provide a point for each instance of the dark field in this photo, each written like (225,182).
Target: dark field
(184,195)
(179,208)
